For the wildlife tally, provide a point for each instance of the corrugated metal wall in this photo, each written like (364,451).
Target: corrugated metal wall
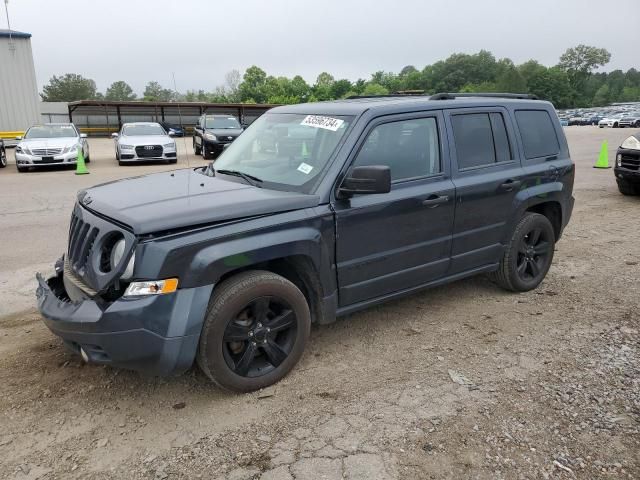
(18,88)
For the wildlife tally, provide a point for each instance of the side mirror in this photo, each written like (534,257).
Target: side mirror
(83,135)
(366,179)
(114,135)
(18,138)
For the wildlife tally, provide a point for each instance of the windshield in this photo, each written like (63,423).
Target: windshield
(285,151)
(135,130)
(51,131)
(221,122)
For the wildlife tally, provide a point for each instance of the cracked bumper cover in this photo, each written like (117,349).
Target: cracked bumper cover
(155,335)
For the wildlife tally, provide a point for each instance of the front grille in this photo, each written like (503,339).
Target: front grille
(144,151)
(225,138)
(46,152)
(82,236)
(630,162)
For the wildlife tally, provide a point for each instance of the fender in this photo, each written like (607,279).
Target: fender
(530,196)
(202,257)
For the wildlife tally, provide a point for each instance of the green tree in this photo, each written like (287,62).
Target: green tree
(252,86)
(154,92)
(579,62)
(68,88)
(120,90)
(602,96)
(374,89)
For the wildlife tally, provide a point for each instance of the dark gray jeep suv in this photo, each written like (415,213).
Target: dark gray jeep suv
(358,202)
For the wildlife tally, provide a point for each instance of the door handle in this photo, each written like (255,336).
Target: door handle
(510,184)
(435,200)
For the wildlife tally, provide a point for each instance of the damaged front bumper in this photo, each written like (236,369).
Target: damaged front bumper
(155,335)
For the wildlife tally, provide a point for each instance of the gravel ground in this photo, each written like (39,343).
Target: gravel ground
(462,381)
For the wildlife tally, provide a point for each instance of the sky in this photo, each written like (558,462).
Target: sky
(142,40)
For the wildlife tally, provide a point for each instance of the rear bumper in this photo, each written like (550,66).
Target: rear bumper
(155,335)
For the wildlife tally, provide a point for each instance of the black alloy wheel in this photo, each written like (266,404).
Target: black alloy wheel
(255,331)
(528,255)
(260,337)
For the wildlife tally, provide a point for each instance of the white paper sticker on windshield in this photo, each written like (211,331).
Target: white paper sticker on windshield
(318,121)
(305,168)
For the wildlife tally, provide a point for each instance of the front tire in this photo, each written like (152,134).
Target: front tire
(3,159)
(196,148)
(255,331)
(528,255)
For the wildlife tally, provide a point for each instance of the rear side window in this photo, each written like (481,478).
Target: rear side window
(481,139)
(538,134)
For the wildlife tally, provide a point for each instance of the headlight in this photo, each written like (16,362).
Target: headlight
(23,149)
(210,136)
(153,287)
(116,257)
(126,147)
(72,148)
(170,146)
(632,143)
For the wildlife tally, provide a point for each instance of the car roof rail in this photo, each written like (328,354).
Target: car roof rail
(402,93)
(453,96)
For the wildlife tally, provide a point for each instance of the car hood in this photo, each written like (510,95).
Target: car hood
(48,142)
(145,140)
(183,198)
(232,132)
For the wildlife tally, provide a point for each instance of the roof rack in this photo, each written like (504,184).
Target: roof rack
(405,93)
(453,96)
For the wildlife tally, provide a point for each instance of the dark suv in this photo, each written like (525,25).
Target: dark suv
(379,198)
(627,168)
(213,133)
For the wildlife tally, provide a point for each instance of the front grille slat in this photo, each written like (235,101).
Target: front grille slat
(77,246)
(46,152)
(630,162)
(73,237)
(143,152)
(81,261)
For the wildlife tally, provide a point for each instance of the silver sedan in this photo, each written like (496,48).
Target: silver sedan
(140,141)
(50,144)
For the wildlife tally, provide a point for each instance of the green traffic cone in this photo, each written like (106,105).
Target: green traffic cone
(81,168)
(603,159)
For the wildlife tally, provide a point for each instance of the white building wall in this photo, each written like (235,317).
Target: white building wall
(19,100)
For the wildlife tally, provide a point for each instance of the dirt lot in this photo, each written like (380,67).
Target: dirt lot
(553,375)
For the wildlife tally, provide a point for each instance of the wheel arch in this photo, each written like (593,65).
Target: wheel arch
(553,211)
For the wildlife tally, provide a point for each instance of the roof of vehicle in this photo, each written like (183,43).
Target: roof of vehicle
(357,106)
(140,123)
(221,115)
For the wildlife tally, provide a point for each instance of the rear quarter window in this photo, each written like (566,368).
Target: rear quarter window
(538,133)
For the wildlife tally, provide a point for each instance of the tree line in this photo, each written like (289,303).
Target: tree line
(573,82)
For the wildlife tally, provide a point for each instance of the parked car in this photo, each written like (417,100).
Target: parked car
(213,133)
(627,167)
(51,143)
(630,120)
(230,263)
(177,130)
(612,121)
(3,154)
(143,141)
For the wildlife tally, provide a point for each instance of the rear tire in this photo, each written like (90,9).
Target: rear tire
(627,188)
(255,331)
(528,256)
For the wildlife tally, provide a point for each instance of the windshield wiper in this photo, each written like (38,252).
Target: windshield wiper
(250,179)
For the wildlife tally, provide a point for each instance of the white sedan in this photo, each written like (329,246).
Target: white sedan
(50,144)
(141,141)
(611,122)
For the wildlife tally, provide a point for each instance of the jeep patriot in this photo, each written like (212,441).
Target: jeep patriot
(315,211)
